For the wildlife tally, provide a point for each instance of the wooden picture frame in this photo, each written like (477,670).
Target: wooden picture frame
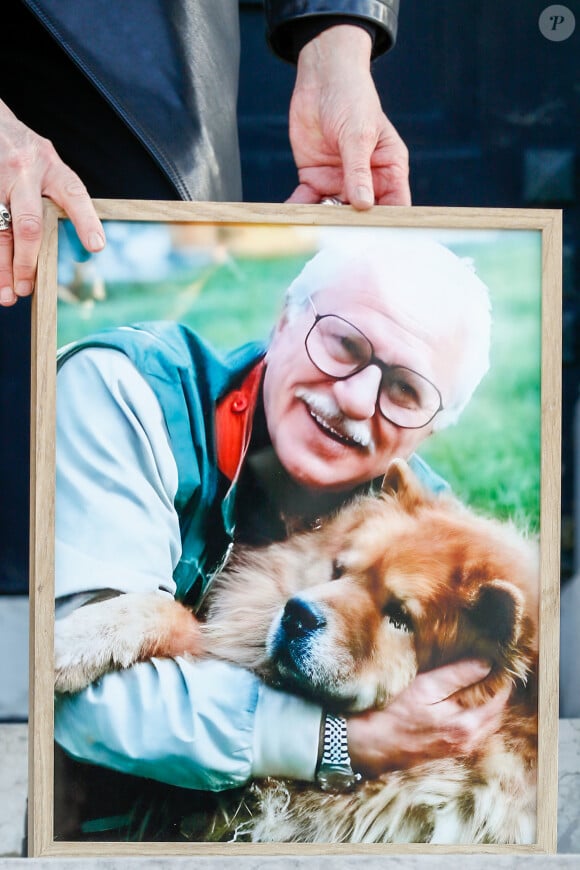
(466,228)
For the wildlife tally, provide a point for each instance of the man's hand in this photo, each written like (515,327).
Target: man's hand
(30,168)
(424,722)
(343,144)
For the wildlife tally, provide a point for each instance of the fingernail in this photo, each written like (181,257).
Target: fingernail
(96,242)
(23,288)
(364,194)
(6,295)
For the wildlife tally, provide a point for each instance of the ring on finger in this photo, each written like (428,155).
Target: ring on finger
(5,217)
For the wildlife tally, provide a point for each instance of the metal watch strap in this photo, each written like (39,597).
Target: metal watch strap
(335,772)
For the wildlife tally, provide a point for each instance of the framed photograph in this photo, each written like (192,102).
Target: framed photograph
(295,492)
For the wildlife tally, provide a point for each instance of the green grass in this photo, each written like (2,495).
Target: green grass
(228,304)
(491,457)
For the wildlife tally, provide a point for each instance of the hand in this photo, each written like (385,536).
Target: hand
(30,168)
(343,144)
(424,722)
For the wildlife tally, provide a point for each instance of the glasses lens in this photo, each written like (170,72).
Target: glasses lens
(407,398)
(337,347)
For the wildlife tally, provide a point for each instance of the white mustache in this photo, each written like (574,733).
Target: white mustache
(325,410)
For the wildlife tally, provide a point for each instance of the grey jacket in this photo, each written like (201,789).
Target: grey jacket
(170,70)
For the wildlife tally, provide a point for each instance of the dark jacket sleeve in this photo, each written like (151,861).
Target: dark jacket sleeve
(287,20)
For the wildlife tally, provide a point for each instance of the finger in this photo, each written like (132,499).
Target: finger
(398,191)
(496,704)
(66,189)
(391,165)
(7,295)
(355,151)
(443,682)
(305,195)
(27,235)
(481,722)
(358,182)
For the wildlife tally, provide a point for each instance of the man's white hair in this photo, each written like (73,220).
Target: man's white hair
(429,283)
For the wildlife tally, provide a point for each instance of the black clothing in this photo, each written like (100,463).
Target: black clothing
(168,69)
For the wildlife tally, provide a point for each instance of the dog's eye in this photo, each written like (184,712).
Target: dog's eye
(337,569)
(398,617)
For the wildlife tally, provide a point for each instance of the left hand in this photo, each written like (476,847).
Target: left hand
(343,143)
(30,168)
(425,721)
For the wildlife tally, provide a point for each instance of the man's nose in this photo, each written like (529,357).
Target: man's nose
(357,395)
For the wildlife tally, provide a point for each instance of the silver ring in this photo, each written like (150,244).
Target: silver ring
(5,217)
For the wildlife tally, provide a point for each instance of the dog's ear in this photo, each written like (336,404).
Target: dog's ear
(400,482)
(498,612)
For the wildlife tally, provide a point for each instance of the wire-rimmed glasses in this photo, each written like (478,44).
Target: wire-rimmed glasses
(339,349)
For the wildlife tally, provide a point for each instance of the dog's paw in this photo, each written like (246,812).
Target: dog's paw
(117,633)
(92,640)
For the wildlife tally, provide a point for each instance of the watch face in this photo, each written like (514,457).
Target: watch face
(336,777)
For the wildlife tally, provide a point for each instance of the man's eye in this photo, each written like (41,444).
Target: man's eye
(352,348)
(346,348)
(402,393)
(398,617)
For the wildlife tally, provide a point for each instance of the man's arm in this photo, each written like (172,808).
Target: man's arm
(203,725)
(343,143)
(291,24)
(196,724)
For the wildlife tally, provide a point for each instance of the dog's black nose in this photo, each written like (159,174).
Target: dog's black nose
(301,617)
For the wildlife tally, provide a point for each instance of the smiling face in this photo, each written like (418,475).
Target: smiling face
(329,433)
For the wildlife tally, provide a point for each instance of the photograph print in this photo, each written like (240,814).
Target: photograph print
(299,538)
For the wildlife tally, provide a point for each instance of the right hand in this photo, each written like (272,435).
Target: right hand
(424,722)
(342,142)
(30,168)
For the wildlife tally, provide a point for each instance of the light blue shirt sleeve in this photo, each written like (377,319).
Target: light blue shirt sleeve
(116,480)
(201,725)
(186,723)
(196,724)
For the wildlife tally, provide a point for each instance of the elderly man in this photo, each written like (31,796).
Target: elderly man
(178,454)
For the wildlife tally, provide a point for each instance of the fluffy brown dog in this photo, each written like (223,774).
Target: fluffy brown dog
(348,615)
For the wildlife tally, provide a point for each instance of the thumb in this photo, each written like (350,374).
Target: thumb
(445,681)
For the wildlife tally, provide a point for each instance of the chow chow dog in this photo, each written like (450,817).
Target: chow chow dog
(395,584)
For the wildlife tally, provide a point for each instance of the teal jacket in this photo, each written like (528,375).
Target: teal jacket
(189,380)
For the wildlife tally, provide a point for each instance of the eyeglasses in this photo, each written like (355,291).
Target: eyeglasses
(340,350)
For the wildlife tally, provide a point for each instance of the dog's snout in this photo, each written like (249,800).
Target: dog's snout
(301,617)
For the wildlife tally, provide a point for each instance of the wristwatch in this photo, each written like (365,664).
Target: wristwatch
(334,771)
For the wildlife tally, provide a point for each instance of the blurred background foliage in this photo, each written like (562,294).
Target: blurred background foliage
(227,282)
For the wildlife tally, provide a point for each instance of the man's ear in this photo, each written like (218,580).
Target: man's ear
(400,482)
(282,321)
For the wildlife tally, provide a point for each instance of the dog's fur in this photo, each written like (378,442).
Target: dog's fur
(394,585)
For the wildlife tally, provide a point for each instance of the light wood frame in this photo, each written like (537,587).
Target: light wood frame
(548,224)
